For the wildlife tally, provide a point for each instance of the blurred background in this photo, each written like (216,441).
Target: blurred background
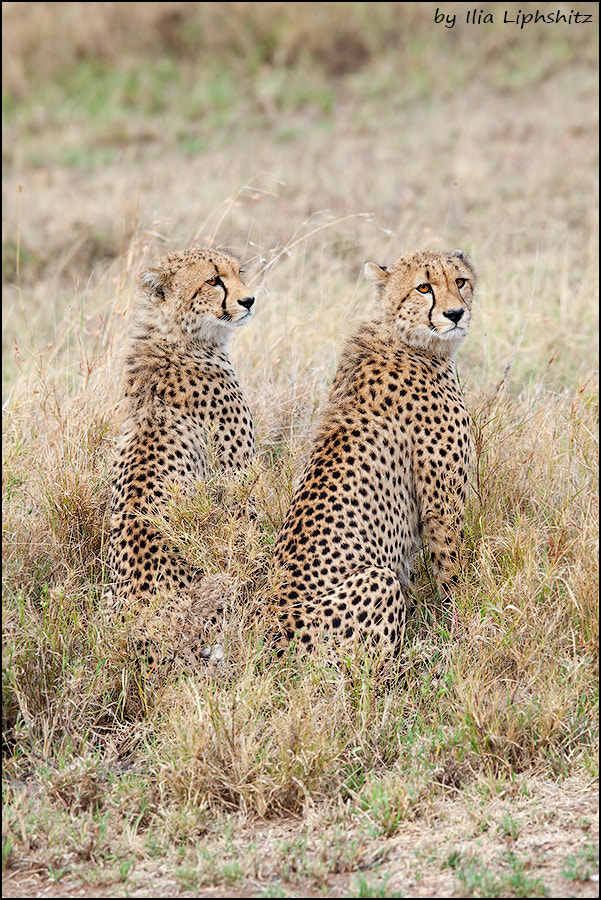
(308,137)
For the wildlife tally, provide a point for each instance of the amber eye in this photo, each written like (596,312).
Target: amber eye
(424,288)
(212,281)
(460,282)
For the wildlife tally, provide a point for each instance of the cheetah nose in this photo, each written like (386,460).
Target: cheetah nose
(247,302)
(454,314)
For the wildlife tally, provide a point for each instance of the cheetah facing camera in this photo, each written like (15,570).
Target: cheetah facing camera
(389,463)
(183,404)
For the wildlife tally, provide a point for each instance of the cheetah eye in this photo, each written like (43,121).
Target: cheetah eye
(212,281)
(424,288)
(460,282)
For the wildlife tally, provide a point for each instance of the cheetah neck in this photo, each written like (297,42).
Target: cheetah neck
(160,326)
(153,359)
(429,344)
(149,340)
(372,344)
(423,342)
(379,338)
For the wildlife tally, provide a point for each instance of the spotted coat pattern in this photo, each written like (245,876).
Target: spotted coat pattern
(389,463)
(184,410)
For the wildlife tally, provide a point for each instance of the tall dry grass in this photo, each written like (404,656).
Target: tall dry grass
(514,691)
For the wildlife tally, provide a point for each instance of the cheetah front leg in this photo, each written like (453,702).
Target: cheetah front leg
(441,495)
(442,535)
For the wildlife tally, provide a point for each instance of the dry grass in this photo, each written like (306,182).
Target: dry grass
(302,773)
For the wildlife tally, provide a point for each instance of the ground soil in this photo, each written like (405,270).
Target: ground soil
(552,824)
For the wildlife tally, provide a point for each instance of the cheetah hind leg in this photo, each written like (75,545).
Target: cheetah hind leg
(370,603)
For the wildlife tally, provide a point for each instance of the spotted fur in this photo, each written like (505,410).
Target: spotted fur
(389,464)
(183,407)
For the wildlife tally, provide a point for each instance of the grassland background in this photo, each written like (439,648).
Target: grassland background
(308,137)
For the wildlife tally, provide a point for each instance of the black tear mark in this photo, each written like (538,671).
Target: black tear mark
(432,307)
(221,284)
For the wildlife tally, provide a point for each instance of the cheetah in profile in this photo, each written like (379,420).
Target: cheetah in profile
(184,405)
(389,463)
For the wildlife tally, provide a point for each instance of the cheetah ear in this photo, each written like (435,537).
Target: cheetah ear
(376,274)
(462,255)
(155,282)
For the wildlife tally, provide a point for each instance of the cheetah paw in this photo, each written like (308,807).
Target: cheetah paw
(213,655)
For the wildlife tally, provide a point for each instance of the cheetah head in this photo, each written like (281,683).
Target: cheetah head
(426,298)
(199,291)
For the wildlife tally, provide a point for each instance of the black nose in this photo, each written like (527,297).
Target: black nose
(454,314)
(247,302)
